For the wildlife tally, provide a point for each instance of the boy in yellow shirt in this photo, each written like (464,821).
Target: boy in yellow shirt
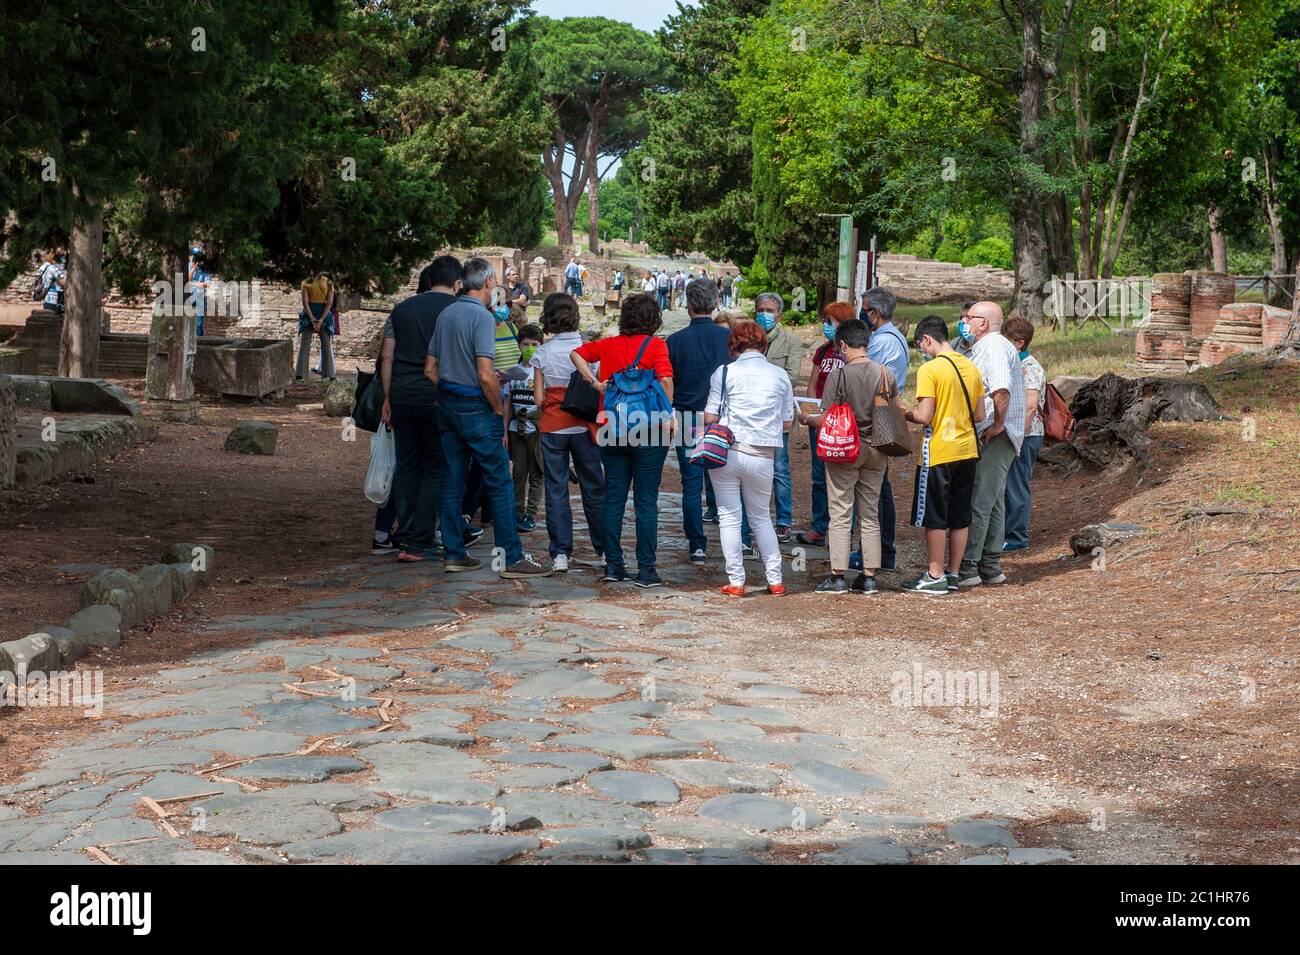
(949,393)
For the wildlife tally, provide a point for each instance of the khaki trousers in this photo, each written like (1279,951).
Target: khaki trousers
(849,484)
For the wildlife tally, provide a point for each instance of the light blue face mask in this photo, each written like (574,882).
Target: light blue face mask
(502,313)
(1024,354)
(766,320)
(963,330)
(828,329)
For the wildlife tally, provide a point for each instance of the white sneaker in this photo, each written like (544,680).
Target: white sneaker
(560,563)
(974,580)
(999,579)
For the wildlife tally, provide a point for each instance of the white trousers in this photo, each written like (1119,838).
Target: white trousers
(748,476)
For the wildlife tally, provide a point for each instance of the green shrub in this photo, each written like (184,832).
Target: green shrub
(991,251)
(948,251)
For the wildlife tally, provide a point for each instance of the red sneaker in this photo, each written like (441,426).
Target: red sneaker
(731,591)
(410,557)
(776,590)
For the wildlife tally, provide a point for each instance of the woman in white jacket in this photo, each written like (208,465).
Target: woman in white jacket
(754,399)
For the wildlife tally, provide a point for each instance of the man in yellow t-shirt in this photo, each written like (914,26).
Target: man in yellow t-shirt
(949,394)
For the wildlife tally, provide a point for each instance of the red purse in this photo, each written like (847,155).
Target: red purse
(837,438)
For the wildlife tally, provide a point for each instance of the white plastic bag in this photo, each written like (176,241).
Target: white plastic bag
(383,464)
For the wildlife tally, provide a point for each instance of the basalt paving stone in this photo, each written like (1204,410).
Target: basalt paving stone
(627,745)
(630,657)
(351,653)
(639,789)
(763,716)
(980,833)
(297,659)
(830,780)
(192,723)
(607,722)
(106,832)
(456,679)
(646,708)
(538,777)
(479,641)
(710,774)
(702,832)
(439,736)
(770,691)
(770,753)
(56,857)
(869,850)
(181,674)
(166,852)
(577,762)
(762,813)
(522,667)
(346,600)
(679,693)
(523,709)
(703,731)
(37,833)
(864,821)
(310,717)
(213,700)
(436,817)
(510,729)
(114,762)
(564,809)
(90,796)
(982,860)
(597,837)
(368,671)
(171,785)
(251,742)
(412,848)
(609,613)
(1038,856)
(291,814)
(520,600)
(565,683)
(413,620)
(298,769)
(423,771)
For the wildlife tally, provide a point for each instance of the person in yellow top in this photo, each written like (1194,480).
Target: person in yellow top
(949,399)
(314,319)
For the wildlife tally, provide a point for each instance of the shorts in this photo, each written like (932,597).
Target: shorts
(943,494)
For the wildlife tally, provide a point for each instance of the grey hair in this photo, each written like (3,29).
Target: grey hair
(475,274)
(773,297)
(701,296)
(881,300)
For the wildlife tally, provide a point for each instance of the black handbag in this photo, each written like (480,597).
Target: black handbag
(369,402)
(581,399)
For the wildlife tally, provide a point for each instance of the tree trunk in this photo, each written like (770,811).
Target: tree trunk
(1030,256)
(593,210)
(1060,234)
(1027,201)
(1273,212)
(83,317)
(1218,241)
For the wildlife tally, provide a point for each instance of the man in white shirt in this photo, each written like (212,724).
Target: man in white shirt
(1001,432)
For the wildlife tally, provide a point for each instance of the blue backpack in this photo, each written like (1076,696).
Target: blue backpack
(636,405)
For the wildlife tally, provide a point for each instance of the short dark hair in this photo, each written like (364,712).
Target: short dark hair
(1018,327)
(444,271)
(931,325)
(639,315)
(531,332)
(747,336)
(560,313)
(852,332)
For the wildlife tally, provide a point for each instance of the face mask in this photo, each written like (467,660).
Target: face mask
(963,330)
(1024,354)
(527,351)
(766,320)
(865,316)
(502,313)
(828,329)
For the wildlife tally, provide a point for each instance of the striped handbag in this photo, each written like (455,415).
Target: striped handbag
(711,449)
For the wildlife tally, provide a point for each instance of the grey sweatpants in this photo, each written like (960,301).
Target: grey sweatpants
(988,510)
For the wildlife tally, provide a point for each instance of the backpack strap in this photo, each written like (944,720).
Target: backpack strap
(970,409)
(639,352)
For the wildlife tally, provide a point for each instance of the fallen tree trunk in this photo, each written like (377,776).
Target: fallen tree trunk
(1112,415)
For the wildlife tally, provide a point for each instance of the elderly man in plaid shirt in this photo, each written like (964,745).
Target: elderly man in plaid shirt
(1001,432)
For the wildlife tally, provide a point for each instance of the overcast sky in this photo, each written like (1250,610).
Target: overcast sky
(646,14)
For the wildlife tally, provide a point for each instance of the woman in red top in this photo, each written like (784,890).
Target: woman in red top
(634,467)
(825,360)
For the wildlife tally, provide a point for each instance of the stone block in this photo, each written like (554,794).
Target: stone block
(1093,536)
(158,584)
(71,647)
(117,588)
(340,396)
(32,391)
(197,559)
(249,368)
(90,395)
(253,437)
(35,653)
(98,625)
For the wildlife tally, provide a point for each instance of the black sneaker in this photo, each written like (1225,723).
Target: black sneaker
(833,584)
(648,578)
(524,568)
(698,556)
(457,565)
(386,546)
(615,575)
(862,584)
(925,584)
(952,583)
(710,517)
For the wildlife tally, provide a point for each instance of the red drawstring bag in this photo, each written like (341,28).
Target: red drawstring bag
(837,439)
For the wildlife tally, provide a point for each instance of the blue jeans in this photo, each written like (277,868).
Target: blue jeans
(781,483)
(557,451)
(821,514)
(1018,493)
(638,469)
(386,515)
(710,502)
(692,511)
(417,485)
(888,553)
(472,431)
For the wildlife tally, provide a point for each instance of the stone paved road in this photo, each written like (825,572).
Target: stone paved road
(419,716)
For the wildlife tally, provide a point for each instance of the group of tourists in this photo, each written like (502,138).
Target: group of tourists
(668,288)
(497,419)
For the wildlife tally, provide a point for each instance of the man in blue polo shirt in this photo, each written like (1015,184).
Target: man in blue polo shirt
(696,352)
(888,347)
(461,364)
